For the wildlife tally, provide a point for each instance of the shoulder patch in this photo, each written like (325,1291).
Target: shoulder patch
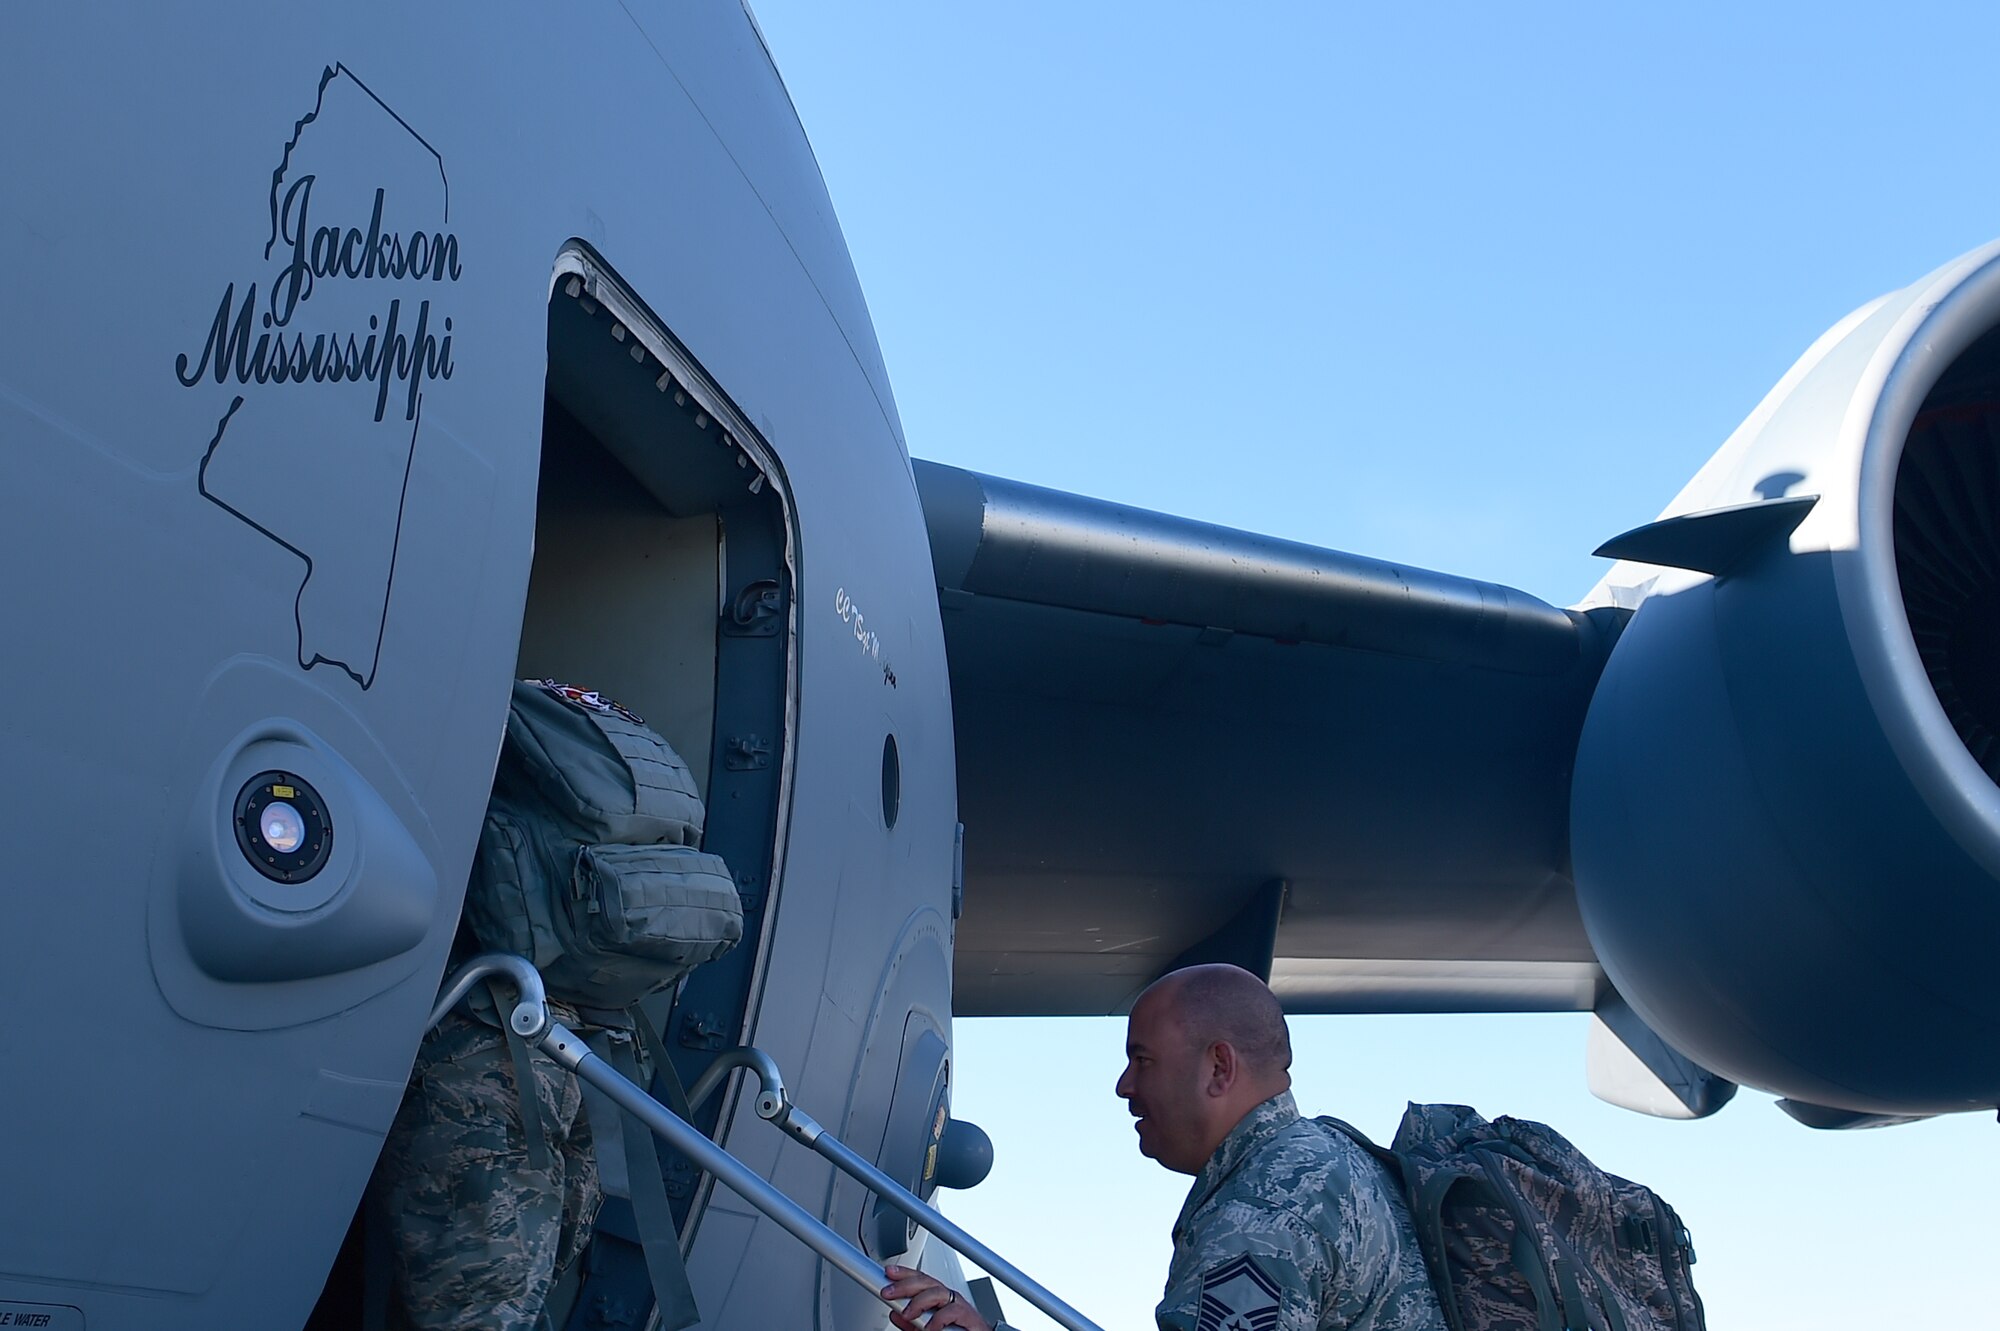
(1238,1296)
(586,698)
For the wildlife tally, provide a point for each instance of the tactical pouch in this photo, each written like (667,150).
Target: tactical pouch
(637,918)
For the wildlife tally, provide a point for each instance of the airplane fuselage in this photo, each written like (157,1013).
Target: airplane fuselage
(297,398)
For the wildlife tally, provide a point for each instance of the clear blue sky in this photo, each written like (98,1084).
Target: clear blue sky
(1467,287)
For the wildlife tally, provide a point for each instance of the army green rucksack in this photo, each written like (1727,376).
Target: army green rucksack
(587,862)
(1523,1233)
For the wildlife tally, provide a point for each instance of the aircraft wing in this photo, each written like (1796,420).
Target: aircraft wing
(1182,742)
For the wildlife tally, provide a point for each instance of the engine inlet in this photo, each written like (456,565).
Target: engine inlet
(1947,526)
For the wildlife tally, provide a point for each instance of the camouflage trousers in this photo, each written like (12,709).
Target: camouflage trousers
(477,1235)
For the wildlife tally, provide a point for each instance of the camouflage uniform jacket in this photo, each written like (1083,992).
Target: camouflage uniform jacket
(1291,1227)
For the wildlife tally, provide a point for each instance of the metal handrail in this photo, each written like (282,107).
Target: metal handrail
(566,1048)
(800,1126)
(530,1018)
(769,1099)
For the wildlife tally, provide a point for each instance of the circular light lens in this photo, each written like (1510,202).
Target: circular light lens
(284,830)
(282,827)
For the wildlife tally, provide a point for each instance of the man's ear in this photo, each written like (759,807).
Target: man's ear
(1223,1068)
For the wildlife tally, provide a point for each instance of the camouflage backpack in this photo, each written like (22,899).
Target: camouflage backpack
(587,863)
(1522,1233)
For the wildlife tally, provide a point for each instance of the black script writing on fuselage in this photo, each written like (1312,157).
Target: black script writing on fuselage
(385,355)
(330,251)
(256,344)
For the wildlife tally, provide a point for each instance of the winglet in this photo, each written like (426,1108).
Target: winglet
(1712,542)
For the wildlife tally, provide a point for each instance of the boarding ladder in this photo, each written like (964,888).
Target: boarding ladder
(530,1020)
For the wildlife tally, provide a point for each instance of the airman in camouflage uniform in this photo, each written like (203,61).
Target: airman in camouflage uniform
(478,1232)
(1291,1227)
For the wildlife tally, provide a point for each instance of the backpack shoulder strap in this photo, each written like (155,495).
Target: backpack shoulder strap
(666,1081)
(524,1086)
(652,1213)
(1382,1155)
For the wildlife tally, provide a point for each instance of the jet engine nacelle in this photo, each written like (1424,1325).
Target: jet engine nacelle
(1785,817)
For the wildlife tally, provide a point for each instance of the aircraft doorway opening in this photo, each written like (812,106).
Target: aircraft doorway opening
(663,580)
